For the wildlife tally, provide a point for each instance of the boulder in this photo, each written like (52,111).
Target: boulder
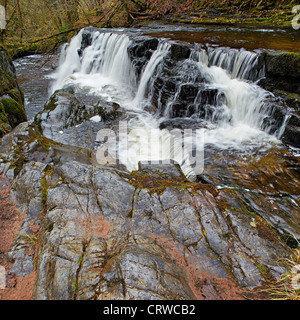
(75,119)
(282,71)
(12,111)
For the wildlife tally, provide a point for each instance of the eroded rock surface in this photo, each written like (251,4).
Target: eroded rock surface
(102,233)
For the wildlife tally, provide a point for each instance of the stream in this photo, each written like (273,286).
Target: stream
(34,72)
(208,90)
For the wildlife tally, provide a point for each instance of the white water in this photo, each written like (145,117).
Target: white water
(238,63)
(105,70)
(69,62)
(145,83)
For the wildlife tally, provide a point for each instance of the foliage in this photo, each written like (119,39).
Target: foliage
(33,25)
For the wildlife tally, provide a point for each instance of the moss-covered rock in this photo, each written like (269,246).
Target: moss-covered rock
(3,115)
(4,124)
(15,111)
(12,111)
(282,71)
(283,64)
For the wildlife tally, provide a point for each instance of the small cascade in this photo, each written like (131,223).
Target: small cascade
(216,86)
(106,57)
(240,64)
(210,92)
(69,62)
(147,75)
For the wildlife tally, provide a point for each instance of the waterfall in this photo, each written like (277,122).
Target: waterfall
(145,82)
(106,58)
(69,62)
(241,64)
(214,85)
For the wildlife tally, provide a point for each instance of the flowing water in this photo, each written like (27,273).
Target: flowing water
(105,69)
(228,36)
(34,77)
(203,109)
(234,120)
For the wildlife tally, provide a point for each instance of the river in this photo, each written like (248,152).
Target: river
(34,72)
(142,97)
(235,115)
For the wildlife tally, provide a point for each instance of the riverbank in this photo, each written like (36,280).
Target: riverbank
(129,14)
(275,18)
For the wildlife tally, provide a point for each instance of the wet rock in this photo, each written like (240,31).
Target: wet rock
(180,51)
(75,119)
(107,234)
(62,111)
(196,100)
(144,272)
(263,179)
(12,111)
(86,40)
(140,52)
(182,123)
(291,134)
(170,170)
(149,234)
(282,71)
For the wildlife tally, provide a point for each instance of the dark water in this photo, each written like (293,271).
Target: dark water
(248,38)
(34,76)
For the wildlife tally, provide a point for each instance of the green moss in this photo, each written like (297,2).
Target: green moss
(3,115)
(17,94)
(287,64)
(33,46)
(227,235)
(105,114)
(4,124)
(159,182)
(265,272)
(7,82)
(49,227)
(238,13)
(51,104)
(43,141)
(15,111)
(19,158)
(48,171)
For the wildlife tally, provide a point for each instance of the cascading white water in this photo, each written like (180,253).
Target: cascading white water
(240,64)
(69,62)
(105,69)
(104,62)
(156,58)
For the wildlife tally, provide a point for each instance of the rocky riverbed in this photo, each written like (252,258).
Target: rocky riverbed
(104,232)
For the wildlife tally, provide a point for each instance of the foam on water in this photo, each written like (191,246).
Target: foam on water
(105,69)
